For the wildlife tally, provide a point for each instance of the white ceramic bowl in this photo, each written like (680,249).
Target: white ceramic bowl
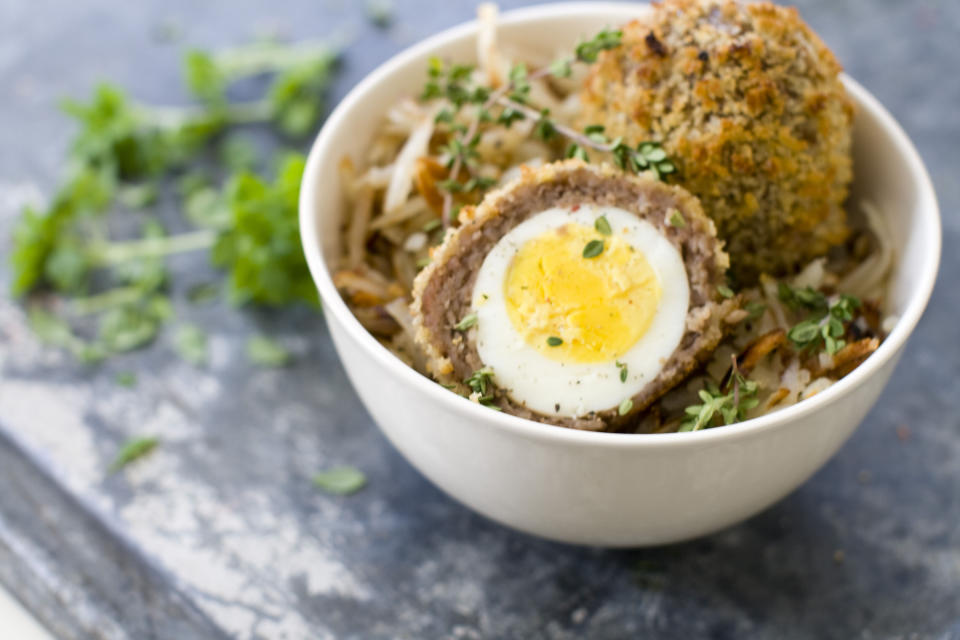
(600,488)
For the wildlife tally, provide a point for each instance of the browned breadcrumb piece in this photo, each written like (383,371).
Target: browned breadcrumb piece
(443,291)
(747,102)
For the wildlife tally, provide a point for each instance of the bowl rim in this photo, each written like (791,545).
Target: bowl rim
(333,304)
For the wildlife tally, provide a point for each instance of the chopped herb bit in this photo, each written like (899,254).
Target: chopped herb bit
(554,341)
(203,292)
(561,68)
(126,378)
(589,50)
(544,128)
(131,326)
(264,352)
(646,156)
(138,196)
(725,291)
(380,12)
(468,321)
(436,223)
(755,309)
(593,249)
(602,225)
(190,344)
(340,481)
(625,407)
(481,383)
(576,151)
(676,219)
(806,298)
(133,450)
(804,332)
(55,331)
(623,370)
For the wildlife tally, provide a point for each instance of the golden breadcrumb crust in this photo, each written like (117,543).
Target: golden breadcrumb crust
(747,101)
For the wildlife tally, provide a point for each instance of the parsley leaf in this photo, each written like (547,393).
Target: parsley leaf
(261,248)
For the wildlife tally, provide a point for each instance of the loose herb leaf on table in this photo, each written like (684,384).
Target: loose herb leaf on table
(340,481)
(132,450)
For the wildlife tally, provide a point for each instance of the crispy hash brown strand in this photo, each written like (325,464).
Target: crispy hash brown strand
(443,291)
(747,102)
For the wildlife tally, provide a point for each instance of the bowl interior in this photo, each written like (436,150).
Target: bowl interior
(888,171)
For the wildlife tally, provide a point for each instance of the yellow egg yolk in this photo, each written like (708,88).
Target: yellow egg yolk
(597,306)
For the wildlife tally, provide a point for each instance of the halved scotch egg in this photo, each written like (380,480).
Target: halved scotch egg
(576,295)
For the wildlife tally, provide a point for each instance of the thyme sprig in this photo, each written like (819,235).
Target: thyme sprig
(825,324)
(509,103)
(716,405)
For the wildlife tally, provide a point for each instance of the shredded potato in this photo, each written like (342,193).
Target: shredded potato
(395,202)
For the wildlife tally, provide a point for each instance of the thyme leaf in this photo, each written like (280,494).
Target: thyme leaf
(593,249)
(468,321)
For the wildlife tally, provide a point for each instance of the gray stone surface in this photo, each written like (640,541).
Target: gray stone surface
(220,533)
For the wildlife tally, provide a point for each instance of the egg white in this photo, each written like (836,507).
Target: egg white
(571,389)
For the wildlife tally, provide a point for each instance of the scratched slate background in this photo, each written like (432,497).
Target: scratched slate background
(219,534)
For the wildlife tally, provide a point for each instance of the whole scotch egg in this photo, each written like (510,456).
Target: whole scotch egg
(576,295)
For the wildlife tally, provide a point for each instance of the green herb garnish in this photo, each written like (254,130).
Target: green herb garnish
(729,407)
(725,291)
(190,344)
(593,249)
(554,341)
(755,309)
(622,366)
(676,219)
(124,149)
(602,225)
(481,383)
(625,407)
(825,324)
(203,292)
(379,12)
(588,50)
(133,450)
(340,481)
(126,378)
(468,321)
(264,352)
(506,104)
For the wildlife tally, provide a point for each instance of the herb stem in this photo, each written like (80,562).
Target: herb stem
(119,252)
(563,130)
(165,117)
(270,56)
(110,299)
(736,379)
(498,96)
